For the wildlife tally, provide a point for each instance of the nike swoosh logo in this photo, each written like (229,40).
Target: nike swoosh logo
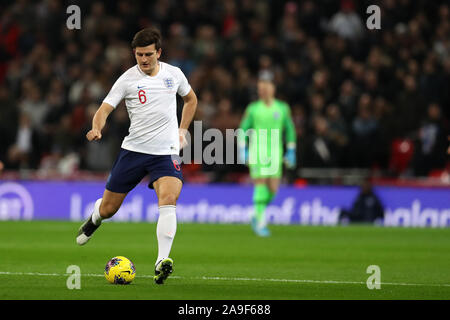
(140,87)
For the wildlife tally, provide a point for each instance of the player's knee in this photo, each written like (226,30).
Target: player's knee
(168,199)
(273,190)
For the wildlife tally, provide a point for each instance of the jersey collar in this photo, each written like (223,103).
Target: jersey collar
(156,75)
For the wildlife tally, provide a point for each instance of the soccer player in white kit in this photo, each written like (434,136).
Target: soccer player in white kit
(153,144)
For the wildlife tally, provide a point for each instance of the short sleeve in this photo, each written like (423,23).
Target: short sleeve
(117,92)
(184,88)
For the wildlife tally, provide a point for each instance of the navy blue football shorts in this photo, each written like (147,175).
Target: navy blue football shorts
(131,167)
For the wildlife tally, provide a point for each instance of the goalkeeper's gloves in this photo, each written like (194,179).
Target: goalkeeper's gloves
(243,154)
(290,157)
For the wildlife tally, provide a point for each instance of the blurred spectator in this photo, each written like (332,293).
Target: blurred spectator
(24,153)
(431,143)
(409,106)
(206,108)
(348,98)
(242,90)
(299,118)
(316,105)
(33,104)
(8,120)
(320,149)
(364,129)
(310,18)
(63,139)
(296,82)
(386,122)
(367,207)
(338,133)
(371,83)
(320,85)
(225,117)
(430,81)
(87,85)
(346,23)
(100,156)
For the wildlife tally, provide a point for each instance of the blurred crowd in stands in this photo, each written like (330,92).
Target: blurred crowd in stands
(360,98)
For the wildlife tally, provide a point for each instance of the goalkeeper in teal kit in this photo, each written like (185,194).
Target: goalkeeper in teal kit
(265,124)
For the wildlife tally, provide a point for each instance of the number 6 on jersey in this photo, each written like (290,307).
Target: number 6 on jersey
(142,97)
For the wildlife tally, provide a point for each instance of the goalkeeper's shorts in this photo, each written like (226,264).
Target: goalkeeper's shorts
(272,169)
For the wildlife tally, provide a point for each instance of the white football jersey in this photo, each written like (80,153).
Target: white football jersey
(152,107)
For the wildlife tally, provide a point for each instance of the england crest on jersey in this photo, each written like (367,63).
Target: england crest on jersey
(168,82)
(276,115)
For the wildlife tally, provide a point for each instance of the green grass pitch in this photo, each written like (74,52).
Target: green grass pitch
(218,261)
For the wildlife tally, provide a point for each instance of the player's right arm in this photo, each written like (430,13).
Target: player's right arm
(246,124)
(115,95)
(99,121)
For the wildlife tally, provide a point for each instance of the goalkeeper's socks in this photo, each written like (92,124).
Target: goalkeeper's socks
(96,217)
(165,230)
(261,198)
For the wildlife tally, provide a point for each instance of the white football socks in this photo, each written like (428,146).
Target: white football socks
(165,230)
(96,218)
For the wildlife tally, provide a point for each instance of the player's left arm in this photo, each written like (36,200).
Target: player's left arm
(290,156)
(189,108)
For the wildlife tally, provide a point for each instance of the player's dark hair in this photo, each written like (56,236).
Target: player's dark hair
(146,37)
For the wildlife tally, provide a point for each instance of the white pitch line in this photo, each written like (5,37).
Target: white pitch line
(235,279)
(323,281)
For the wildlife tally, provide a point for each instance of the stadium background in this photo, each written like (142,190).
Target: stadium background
(367,105)
(348,87)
